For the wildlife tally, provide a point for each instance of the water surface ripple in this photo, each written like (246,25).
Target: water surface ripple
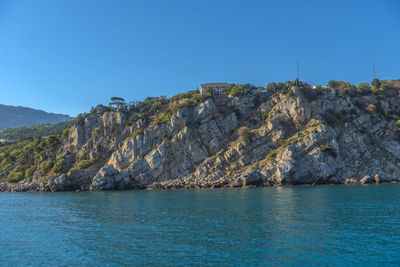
(321,225)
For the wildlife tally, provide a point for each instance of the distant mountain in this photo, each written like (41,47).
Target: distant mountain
(12,117)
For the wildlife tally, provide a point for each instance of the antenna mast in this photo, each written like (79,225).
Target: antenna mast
(298,71)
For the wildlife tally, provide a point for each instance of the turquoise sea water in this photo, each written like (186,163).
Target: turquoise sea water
(321,225)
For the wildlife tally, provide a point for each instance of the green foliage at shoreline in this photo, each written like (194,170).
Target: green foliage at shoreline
(30,156)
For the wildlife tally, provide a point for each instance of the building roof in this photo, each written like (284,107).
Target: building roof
(206,84)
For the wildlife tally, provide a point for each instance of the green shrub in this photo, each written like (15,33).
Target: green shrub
(375,84)
(189,94)
(59,166)
(85,164)
(137,132)
(65,132)
(187,102)
(164,117)
(237,90)
(30,171)
(134,117)
(364,87)
(14,177)
(245,133)
(397,123)
(97,131)
(127,139)
(341,85)
(272,155)
(287,142)
(45,167)
(325,147)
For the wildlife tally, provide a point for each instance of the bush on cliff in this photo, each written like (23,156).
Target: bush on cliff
(164,117)
(237,90)
(86,163)
(59,166)
(272,155)
(364,87)
(245,133)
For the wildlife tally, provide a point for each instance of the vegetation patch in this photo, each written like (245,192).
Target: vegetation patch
(137,132)
(164,117)
(312,126)
(59,166)
(237,90)
(287,142)
(38,154)
(85,164)
(97,130)
(245,133)
(30,133)
(272,155)
(46,166)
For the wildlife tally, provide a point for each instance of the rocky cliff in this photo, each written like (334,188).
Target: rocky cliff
(294,136)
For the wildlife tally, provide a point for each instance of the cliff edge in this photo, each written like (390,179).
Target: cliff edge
(295,135)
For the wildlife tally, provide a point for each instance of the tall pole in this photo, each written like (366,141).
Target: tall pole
(298,70)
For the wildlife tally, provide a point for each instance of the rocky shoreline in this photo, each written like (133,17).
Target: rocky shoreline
(75,181)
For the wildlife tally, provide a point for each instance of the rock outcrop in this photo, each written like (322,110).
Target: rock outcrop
(109,178)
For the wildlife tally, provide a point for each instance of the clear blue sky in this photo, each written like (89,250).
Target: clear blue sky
(66,56)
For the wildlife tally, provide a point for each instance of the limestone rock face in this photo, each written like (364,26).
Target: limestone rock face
(299,136)
(73,180)
(252,178)
(366,179)
(108,178)
(204,110)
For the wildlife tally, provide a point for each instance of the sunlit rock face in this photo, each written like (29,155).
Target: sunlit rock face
(300,136)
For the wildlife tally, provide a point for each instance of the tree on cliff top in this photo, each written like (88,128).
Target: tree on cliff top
(118,102)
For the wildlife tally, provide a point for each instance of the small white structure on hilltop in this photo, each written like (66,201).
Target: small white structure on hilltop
(218,88)
(319,86)
(5,140)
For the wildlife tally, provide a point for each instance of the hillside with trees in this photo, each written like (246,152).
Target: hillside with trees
(33,132)
(13,117)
